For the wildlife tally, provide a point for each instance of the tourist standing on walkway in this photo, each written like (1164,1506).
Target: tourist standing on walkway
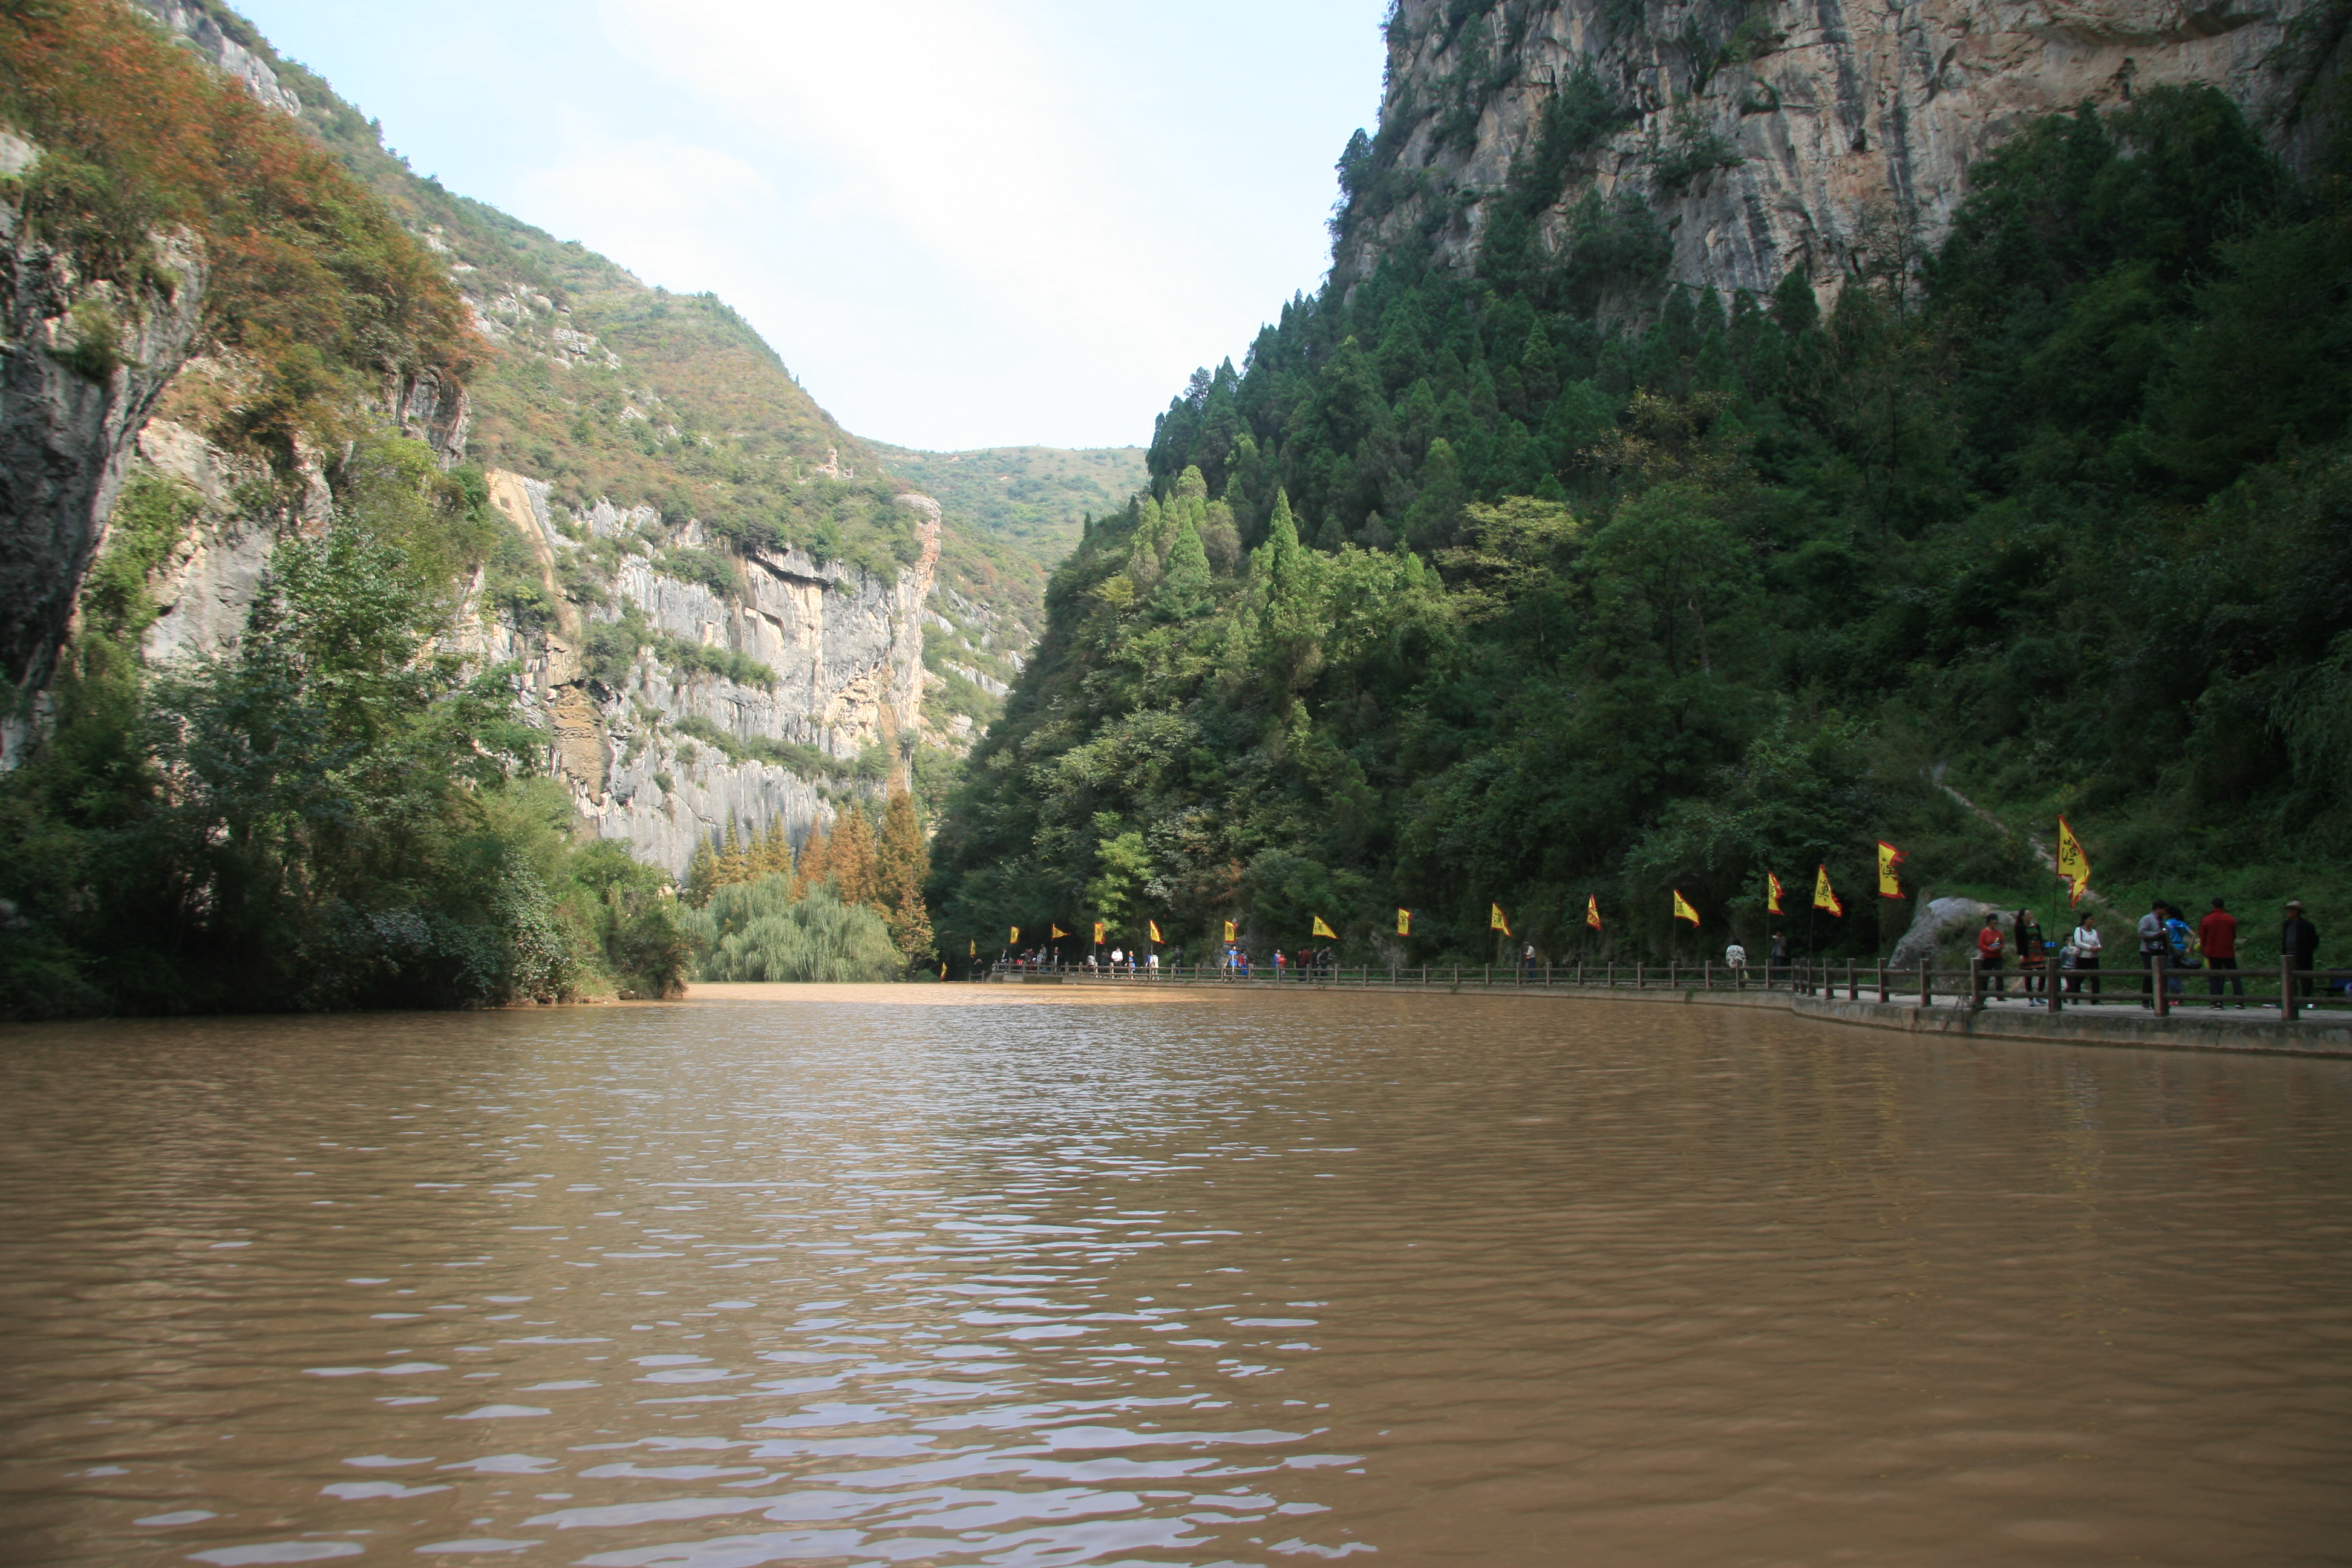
(2299,941)
(2155,947)
(2087,945)
(2216,934)
(1735,959)
(1989,951)
(1776,958)
(2183,954)
(2032,957)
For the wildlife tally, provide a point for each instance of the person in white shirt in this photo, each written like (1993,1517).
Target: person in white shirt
(1116,954)
(2087,945)
(1735,958)
(1153,962)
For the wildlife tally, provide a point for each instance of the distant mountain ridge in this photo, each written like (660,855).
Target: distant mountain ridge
(1034,498)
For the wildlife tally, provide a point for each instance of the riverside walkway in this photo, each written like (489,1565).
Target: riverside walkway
(1963,1002)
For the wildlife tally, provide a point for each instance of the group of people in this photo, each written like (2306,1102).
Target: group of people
(1120,959)
(2167,944)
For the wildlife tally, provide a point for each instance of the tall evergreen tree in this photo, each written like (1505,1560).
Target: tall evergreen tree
(813,867)
(902,861)
(850,856)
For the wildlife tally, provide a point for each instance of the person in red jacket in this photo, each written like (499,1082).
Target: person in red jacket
(1990,947)
(2217,935)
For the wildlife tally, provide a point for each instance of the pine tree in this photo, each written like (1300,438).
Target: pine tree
(701,875)
(732,865)
(902,865)
(1185,592)
(813,866)
(851,857)
(775,858)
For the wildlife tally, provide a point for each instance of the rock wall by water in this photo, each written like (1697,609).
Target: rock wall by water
(1846,129)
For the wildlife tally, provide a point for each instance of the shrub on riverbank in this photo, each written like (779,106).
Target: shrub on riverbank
(758,930)
(335,813)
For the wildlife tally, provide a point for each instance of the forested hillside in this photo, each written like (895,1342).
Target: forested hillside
(1455,593)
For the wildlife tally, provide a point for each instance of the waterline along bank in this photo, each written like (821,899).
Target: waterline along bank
(2295,1014)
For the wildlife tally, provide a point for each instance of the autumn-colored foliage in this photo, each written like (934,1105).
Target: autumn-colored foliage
(312,278)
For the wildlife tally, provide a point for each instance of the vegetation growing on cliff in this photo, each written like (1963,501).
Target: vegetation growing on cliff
(313,291)
(1532,609)
(335,812)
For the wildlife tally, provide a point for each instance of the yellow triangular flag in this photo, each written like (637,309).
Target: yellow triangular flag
(1683,911)
(1890,886)
(1404,923)
(1058,933)
(1322,929)
(1153,927)
(1824,895)
(1592,911)
(1772,894)
(2073,866)
(1495,921)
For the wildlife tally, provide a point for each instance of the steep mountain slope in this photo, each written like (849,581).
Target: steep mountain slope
(725,603)
(1548,557)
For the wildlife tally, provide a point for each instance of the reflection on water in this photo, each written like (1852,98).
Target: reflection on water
(1250,1279)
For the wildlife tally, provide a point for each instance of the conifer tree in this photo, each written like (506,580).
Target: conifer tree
(732,866)
(851,853)
(775,852)
(1184,591)
(701,875)
(902,865)
(813,866)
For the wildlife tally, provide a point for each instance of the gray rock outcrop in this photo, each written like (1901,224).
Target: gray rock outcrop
(226,54)
(83,361)
(1808,135)
(843,647)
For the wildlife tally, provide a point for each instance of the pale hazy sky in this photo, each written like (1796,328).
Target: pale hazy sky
(963,223)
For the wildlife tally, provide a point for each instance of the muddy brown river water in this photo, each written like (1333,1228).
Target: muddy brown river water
(941,1275)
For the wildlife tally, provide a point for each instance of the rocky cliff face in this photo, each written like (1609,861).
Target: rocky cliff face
(233,54)
(81,364)
(670,743)
(1785,134)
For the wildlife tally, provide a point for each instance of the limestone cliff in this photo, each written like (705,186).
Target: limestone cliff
(759,702)
(1771,135)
